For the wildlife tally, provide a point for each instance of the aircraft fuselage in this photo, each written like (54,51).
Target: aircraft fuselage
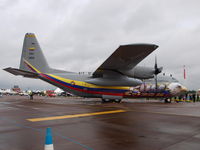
(81,88)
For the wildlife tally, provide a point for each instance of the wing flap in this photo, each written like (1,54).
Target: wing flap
(24,73)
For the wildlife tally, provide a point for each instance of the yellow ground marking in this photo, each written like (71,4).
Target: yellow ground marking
(76,115)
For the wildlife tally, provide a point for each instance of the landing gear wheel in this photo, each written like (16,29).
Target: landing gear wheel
(168,100)
(117,100)
(104,100)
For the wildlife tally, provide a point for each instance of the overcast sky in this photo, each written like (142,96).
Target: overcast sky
(78,35)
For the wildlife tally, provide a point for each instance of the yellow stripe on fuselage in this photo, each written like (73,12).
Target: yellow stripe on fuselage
(79,83)
(82,83)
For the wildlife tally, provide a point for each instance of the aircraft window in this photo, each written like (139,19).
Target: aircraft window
(89,73)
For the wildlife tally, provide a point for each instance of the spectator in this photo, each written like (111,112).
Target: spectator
(194,97)
(31,95)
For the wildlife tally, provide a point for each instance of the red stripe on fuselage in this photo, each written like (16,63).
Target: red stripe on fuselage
(81,90)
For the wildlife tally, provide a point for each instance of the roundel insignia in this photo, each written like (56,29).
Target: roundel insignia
(72,82)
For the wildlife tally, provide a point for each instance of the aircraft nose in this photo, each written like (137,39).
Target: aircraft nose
(181,89)
(184,89)
(177,88)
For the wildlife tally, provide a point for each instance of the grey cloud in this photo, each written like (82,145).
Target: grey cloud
(79,35)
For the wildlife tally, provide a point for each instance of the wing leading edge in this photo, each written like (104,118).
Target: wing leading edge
(125,57)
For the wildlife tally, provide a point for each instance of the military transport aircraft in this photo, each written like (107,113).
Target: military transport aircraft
(118,77)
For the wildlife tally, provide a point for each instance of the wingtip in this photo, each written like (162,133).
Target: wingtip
(156,46)
(141,44)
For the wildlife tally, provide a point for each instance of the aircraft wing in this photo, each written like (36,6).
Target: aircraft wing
(21,72)
(125,57)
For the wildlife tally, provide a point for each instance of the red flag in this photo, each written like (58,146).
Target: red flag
(184,73)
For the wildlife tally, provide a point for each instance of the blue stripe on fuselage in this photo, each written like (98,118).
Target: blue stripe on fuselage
(88,88)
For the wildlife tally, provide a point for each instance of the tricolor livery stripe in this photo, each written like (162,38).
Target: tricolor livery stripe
(78,86)
(31,67)
(102,91)
(88,88)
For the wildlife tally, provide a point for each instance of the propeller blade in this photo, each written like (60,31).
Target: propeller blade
(156,65)
(157,70)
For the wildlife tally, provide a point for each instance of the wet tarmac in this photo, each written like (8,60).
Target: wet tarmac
(87,124)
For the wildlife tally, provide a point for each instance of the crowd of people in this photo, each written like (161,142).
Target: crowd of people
(194,97)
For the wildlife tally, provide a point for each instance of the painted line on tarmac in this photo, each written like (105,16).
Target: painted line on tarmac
(75,115)
(41,131)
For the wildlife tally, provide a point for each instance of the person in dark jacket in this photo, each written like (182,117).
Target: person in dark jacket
(194,97)
(31,95)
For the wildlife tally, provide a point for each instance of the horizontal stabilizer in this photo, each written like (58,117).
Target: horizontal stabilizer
(21,72)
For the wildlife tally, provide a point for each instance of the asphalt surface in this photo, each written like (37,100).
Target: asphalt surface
(88,124)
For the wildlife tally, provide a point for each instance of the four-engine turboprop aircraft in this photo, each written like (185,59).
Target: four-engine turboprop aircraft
(118,77)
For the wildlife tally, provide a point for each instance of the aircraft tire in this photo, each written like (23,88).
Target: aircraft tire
(168,100)
(117,100)
(104,100)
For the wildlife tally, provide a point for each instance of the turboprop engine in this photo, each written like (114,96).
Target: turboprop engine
(142,72)
(124,81)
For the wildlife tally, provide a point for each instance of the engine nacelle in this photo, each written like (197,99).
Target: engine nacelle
(125,81)
(140,72)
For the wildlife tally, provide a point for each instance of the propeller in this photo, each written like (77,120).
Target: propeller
(156,72)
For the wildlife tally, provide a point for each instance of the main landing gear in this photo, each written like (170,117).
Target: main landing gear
(106,100)
(168,100)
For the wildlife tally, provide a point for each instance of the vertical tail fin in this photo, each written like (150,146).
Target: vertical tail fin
(32,60)
(32,55)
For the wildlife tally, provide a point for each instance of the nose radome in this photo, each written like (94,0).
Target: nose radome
(184,89)
(177,88)
(173,86)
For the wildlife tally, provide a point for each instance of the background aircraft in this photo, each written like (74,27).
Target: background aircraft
(118,77)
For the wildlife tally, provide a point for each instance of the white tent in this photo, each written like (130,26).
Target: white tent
(58,91)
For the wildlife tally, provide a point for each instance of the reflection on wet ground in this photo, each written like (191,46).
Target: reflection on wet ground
(141,125)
